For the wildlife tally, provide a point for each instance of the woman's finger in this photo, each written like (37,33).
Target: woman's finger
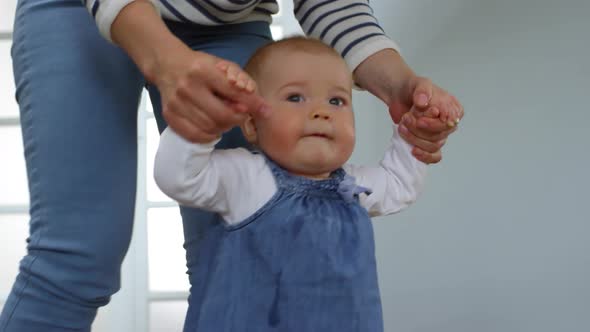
(187,129)
(426,145)
(422,92)
(426,157)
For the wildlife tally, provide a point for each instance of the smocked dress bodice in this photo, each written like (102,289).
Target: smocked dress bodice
(303,262)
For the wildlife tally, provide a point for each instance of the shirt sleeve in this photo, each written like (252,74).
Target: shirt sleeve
(347,25)
(234,183)
(104,13)
(395,184)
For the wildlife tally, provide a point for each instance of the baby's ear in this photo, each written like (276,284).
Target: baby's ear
(249,130)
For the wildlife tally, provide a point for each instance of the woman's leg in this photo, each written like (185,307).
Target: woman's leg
(236,43)
(78,98)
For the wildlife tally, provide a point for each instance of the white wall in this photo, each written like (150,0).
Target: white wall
(499,240)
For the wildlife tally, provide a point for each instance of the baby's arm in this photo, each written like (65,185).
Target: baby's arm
(234,182)
(395,183)
(220,181)
(187,173)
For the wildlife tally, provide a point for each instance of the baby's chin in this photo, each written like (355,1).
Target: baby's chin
(311,163)
(312,175)
(313,170)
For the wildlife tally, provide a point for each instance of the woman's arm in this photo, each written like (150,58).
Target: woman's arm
(198,101)
(352,29)
(386,75)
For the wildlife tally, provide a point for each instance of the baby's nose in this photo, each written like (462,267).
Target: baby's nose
(320,113)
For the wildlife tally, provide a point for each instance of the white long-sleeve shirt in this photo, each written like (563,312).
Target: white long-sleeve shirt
(236,183)
(347,25)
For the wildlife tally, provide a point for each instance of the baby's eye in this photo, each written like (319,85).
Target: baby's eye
(295,98)
(337,101)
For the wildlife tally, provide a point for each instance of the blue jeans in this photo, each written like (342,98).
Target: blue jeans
(78,98)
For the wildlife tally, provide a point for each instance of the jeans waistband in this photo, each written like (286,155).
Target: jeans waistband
(186,30)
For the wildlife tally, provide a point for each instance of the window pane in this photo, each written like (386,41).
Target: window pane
(7,8)
(14,230)
(285,21)
(167,316)
(276,31)
(167,263)
(154,193)
(8,106)
(13,178)
(148,103)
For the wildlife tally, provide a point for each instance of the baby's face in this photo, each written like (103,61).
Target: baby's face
(310,130)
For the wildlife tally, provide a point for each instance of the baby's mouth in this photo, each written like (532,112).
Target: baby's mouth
(319,135)
(324,132)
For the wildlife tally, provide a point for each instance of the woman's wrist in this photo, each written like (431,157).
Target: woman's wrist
(141,33)
(383,74)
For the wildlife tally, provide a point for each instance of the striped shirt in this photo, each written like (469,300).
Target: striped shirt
(347,25)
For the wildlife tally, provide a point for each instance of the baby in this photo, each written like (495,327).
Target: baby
(294,250)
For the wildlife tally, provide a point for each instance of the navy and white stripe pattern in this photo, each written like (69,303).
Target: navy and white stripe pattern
(92,6)
(347,25)
(218,12)
(205,12)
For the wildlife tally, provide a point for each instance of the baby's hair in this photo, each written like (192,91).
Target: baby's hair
(295,43)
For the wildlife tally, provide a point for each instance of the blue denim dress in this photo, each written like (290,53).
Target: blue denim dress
(304,262)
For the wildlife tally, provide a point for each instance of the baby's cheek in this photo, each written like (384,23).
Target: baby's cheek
(347,141)
(280,137)
(348,132)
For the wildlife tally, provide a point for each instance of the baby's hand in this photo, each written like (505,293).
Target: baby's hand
(236,76)
(241,80)
(446,117)
(450,116)
(432,112)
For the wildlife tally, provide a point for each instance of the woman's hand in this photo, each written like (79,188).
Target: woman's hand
(198,100)
(427,142)
(387,76)
(427,134)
